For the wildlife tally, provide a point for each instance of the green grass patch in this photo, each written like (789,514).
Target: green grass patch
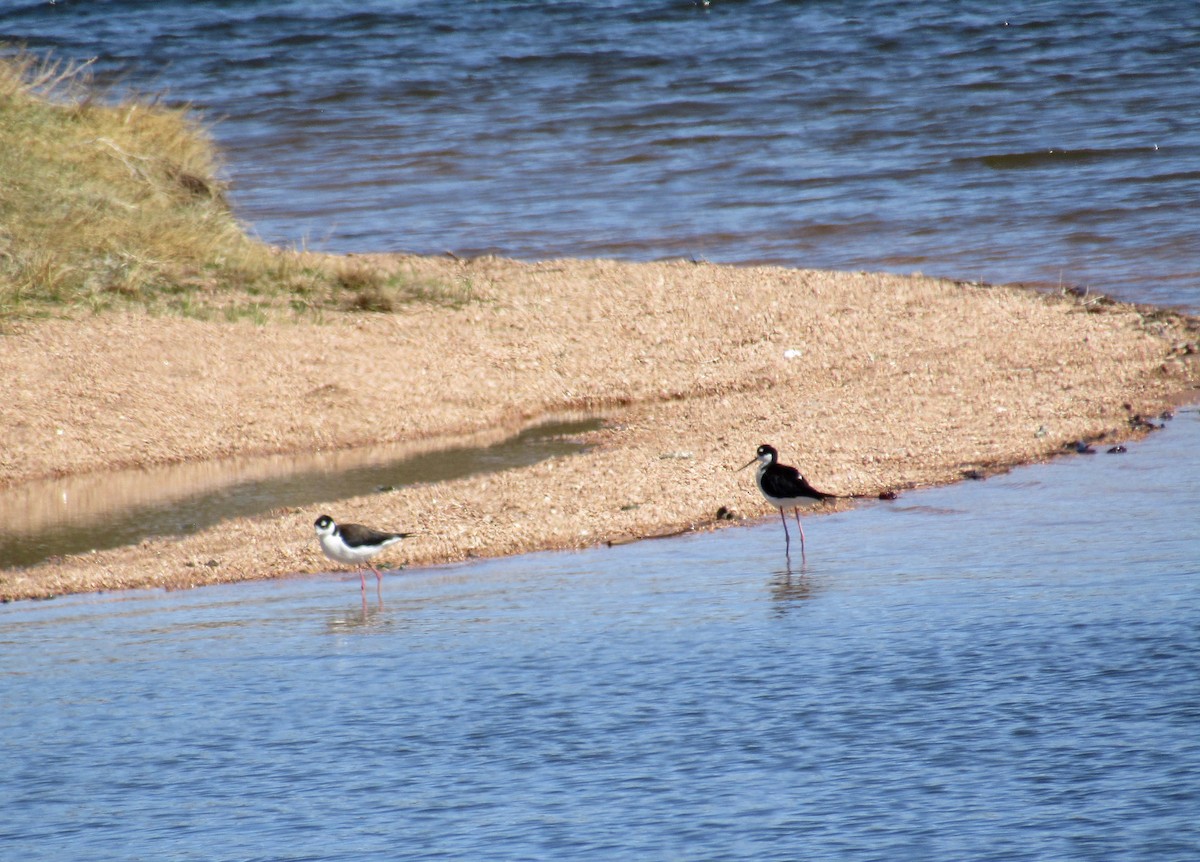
(105,203)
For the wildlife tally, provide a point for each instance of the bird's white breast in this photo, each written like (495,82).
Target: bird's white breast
(338,550)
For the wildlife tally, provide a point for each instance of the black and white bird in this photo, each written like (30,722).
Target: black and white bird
(785,488)
(354,545)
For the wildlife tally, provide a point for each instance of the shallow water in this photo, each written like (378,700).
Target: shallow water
(1055,143)
(1007,669)
(1004,670)
(93,511)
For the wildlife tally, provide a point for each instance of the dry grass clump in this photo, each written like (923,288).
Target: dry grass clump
(104,203)
(367,285)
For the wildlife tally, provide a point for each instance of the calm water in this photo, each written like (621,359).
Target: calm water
(1006,670)
(76,514)
(1032,141)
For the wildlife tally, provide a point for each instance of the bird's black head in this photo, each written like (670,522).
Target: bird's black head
(323,523)
(767,454)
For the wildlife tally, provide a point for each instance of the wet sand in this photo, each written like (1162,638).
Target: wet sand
(867,382)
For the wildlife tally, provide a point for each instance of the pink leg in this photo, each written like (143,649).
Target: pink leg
(378,585)
(787,540)
(801,529)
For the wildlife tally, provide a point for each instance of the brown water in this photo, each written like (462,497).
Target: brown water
(105,510)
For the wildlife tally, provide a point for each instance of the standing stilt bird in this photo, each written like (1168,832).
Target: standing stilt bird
(354,545)
(784,487)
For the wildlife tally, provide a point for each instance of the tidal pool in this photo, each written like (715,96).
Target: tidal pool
(105,510)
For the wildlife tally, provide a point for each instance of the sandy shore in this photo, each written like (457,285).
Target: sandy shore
(867,382)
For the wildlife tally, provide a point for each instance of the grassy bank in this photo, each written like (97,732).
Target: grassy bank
(106,202)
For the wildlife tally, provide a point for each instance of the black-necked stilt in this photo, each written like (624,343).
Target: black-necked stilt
(784,487)
(354,545)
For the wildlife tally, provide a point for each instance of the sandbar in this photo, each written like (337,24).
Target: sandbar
(870,383)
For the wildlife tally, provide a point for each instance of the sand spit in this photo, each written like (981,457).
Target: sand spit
(868,382)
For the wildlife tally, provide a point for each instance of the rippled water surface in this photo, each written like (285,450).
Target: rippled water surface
(998,670)
(1005,670)
(1032,141)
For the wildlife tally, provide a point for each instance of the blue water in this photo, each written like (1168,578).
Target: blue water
(1000,670)
(1029,141)
(1005,670)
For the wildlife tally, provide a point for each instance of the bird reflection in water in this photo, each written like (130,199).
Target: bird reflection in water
(790,587)
(347,621)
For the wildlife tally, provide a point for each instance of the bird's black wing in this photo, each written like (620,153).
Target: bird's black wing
(784,482)
(356,535)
